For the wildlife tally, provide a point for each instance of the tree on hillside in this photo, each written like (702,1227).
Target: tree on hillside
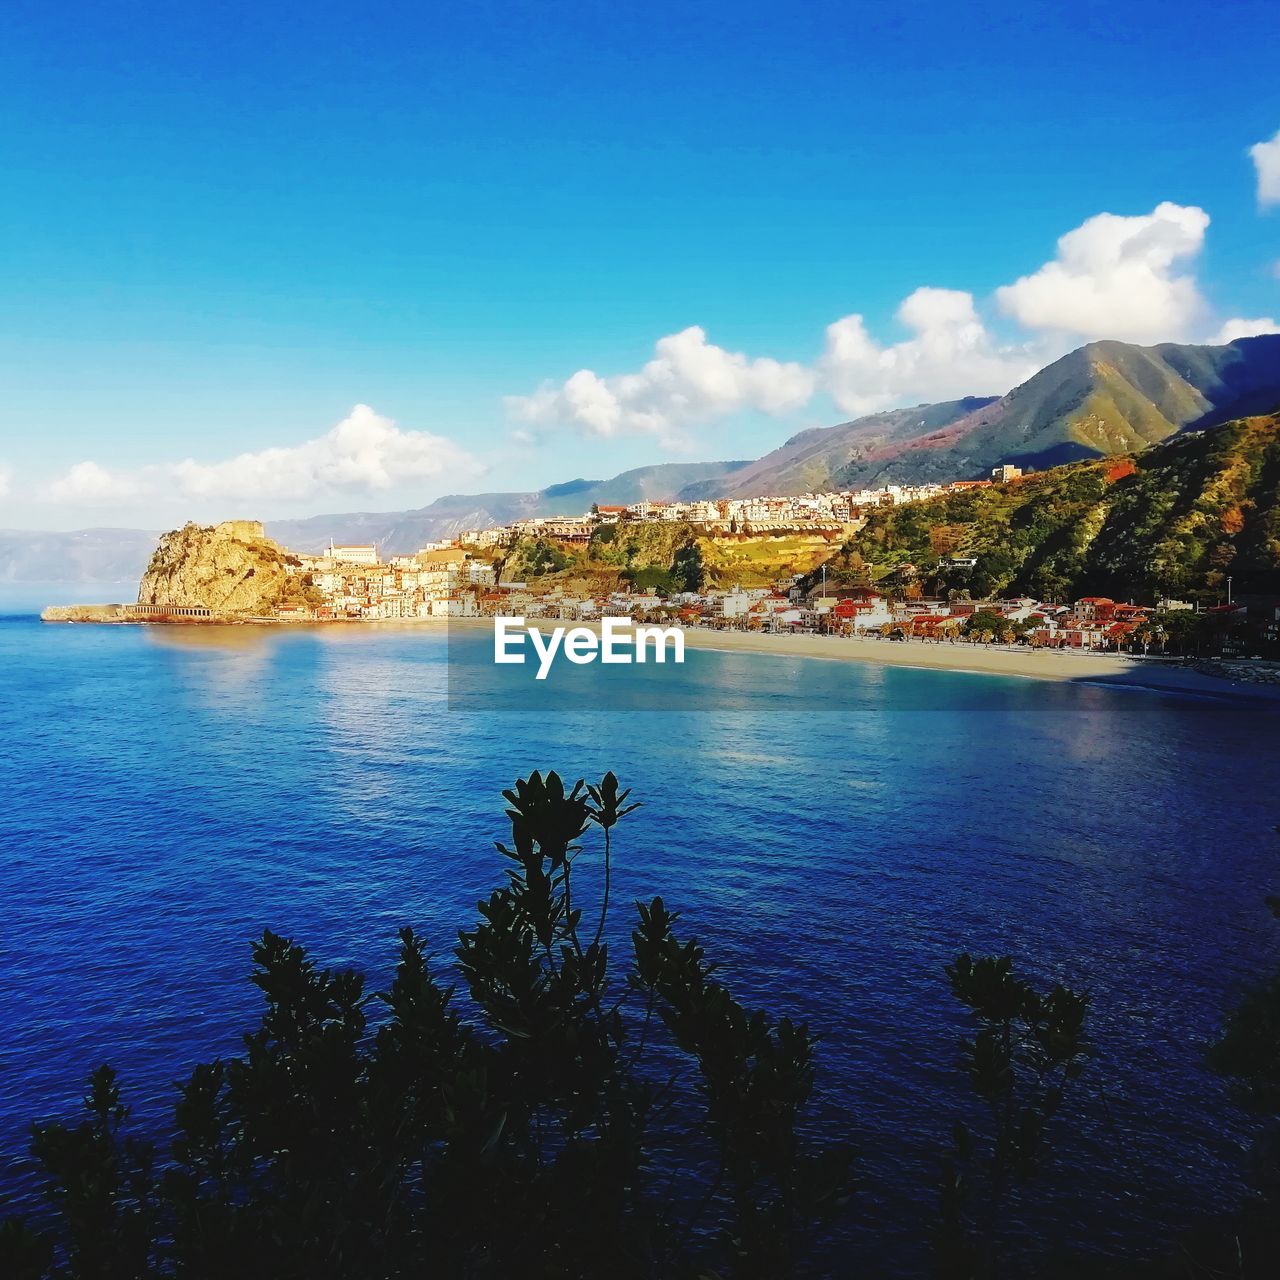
(663,581)
(687,568)
(985,625)
(544,557)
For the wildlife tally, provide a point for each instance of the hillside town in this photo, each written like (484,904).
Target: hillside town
(460,578)
(804,512)
(452,581)
(763,565)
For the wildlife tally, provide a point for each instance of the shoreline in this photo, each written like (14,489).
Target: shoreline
(1105,669)
(1108,670)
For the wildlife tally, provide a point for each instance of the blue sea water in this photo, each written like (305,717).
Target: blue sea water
(835,833)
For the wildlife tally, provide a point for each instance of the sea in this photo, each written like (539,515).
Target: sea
(834,833)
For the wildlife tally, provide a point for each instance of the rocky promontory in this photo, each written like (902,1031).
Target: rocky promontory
(85,613)
(230,568)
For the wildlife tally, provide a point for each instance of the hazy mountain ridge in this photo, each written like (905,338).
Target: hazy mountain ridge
(82,555)
(400,532)
(121,555)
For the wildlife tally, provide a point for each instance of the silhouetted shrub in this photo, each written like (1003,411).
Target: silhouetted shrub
(561,1120)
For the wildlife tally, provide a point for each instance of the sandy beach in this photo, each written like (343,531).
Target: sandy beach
(993,660)
(996,660)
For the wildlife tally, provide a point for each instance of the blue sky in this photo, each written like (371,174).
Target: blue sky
(227,226)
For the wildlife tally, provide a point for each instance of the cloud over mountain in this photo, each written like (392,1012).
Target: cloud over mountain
(950,353)
(86,484)
(364,453)
(1239,327)
(689,380)
(1117,277)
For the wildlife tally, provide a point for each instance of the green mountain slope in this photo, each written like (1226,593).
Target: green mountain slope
(1173,520)
(1103,399)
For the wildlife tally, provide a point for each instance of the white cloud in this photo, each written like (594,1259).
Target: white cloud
(1266,160)
(949,354)
(364,453)
(6,479)
(1117,277)
(89,485)
(1242,328)
(688,380)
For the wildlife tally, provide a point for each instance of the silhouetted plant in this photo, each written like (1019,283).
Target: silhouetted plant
(1243,1244)
(563,1122)
(1248,1054)
(1249,1050)
(1026,1049)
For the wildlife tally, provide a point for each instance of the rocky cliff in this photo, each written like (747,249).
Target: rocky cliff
(230,568)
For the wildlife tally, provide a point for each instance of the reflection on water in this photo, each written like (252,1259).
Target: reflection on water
(214,639)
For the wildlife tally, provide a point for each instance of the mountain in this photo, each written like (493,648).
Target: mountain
(1103,399)
(400,532)
(1106,398)
(812,460)
(1176,519)
(85,555)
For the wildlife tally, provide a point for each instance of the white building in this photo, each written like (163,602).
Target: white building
(454,607)
(362,553)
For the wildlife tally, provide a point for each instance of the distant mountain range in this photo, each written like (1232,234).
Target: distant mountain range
(1105,398)
(84,555)
(400,532)
(114,555)
(811,461)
